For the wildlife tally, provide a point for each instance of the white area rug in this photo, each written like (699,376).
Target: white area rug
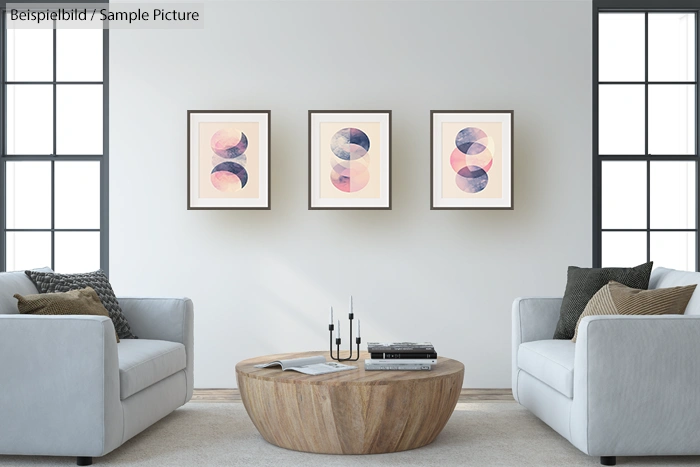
(221,434)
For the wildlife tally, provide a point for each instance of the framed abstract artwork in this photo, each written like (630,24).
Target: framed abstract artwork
(350,159)
(471,159)
(228,159)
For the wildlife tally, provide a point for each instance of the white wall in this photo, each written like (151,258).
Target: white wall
(262,281)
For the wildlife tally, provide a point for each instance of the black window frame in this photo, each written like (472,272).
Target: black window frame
(103,159)
(643,6)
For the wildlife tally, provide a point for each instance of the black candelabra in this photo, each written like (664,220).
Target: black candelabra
(331,328)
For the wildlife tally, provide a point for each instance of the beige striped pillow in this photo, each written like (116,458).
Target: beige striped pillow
(618,299)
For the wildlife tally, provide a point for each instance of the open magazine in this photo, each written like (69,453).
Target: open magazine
(309,365)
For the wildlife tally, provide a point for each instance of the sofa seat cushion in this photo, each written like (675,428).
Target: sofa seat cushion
(550,361)
(144,362)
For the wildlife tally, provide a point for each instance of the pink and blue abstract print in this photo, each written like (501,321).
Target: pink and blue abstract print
(229,160)
(472,159)
(351,161)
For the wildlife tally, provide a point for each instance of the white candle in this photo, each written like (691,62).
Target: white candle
(337,331)
(358,328)
(350,303)
(331,318)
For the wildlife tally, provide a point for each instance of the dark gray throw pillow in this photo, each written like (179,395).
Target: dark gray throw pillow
(583,283)
(47,282)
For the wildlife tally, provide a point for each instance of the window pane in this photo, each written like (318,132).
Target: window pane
(671,119)
(77,195)
(79,54)
(79,119)
(624,195)
(29,54)
(77,252)
(30,119)
(672,47)
(624,249)
(621,47)
(621,119)
(28,250)
(675,250)
(28,186)
(672,195)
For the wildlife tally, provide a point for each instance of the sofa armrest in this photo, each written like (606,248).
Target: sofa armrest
(166,319)
(636,383)
(59,385)
(533,319)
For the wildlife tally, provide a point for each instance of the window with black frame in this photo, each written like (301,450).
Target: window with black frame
(645,110)
(54,148)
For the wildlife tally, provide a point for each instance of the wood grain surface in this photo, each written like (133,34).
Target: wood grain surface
(467,396)
(352,412)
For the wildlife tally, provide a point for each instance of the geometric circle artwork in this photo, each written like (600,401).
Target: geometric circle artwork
(229,143)
(472,179)
(472,159)
(229,160)
(229,177)
(350,165)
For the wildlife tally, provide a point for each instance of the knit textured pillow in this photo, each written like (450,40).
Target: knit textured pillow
(47,282)
(583,283)
(617,299)
(76,302)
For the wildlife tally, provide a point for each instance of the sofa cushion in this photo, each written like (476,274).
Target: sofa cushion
(617,299)
(550,361)
(662,278)
(583,283)
(12,283)
(76,302)
(53,282)
(144,362)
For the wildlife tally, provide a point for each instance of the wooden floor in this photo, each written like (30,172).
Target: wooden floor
(468,395)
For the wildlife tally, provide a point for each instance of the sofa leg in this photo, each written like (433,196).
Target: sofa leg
(88,461)
(608,460)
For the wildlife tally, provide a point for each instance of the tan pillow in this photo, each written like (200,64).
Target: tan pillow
(617,299)
(76,302)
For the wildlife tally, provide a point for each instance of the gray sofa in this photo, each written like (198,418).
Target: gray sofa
(629,386)
(68,389)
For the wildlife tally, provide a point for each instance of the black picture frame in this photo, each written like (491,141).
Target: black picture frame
(511,204)
(388,136)
(268,205)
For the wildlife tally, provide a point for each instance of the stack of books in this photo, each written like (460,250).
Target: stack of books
(412,356)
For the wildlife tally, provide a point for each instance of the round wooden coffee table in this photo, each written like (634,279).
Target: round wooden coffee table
(351,412)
